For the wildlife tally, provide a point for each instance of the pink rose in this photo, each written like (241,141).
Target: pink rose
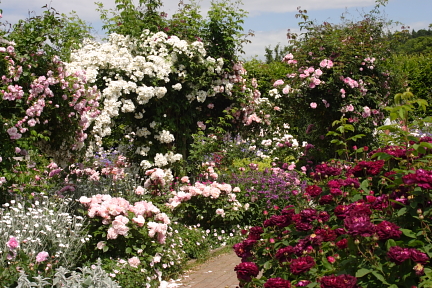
(42,256)
(134,262)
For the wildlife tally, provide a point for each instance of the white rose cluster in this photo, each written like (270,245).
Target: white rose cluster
(165,137)
(133,74)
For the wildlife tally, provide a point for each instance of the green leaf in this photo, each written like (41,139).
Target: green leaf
(390,243)
(267,265)
(408,233)
(402,211)
(362,272)
(415,243)
(364,185)
(380,277)
(382,156)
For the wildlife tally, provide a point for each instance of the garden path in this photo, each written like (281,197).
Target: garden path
(217,272)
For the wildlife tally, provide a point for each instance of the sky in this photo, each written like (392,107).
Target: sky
(268,19)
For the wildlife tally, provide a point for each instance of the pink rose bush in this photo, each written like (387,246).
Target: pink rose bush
(210,202)
(116,212)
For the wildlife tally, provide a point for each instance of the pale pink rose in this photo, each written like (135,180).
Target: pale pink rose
(100,245)
(163,217)
(201,125)
(84,200)
(157,228)
(286,89)
(278,83)
(210,106)
(220,212)
(313,105)
(183,196)
(236,189)
(42,256)
(225,187)
(122,230)
(214,193)
(139,220)
(13,243)
(206,191)
(134,262)
(214,175)
(185,179)
(194,191)
(139,190)
(112,233)
(288,57)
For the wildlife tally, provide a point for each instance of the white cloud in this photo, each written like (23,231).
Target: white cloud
(263,39)
(87,10)
(256,7)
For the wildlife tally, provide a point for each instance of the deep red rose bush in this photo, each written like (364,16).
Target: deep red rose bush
(364,223)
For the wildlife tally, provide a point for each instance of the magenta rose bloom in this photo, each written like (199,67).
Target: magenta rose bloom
(277,283)
(313,190)
(323,170)
(341,211)
(418,256)
(398,254)
(255,233)
(324,216)
(364,168)
(303,226)
(334,184)
(326,199)
(353,182)
(341,281)
(326,234)
(246,270)
(387,230)
(308,215)
(284,254)
(359,225)
(288,210)
(342,244)
(278,220)
(301,264)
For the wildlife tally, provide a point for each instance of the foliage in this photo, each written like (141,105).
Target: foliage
(331,80)
(53,33)
(132,20)
(415,70)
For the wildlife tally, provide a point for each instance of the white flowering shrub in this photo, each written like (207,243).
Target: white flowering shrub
(152,90)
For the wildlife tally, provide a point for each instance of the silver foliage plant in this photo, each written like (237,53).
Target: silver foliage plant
(44,225)
(93,276)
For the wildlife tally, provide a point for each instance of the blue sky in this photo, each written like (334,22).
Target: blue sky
(269,19)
